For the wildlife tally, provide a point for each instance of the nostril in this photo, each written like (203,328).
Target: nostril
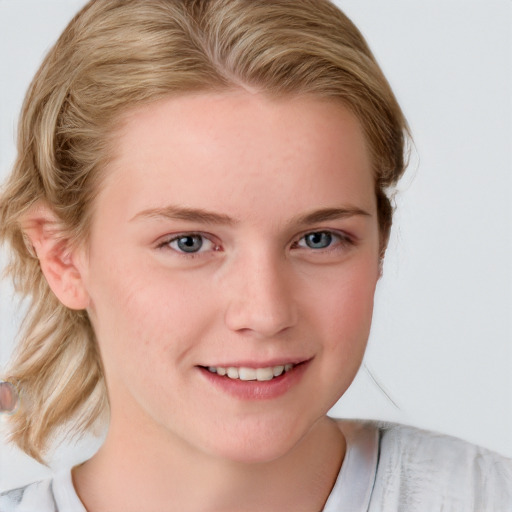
(260,321)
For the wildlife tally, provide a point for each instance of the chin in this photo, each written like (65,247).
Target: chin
(259,451)
(257,443)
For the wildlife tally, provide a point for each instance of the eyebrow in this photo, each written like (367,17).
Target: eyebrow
(326,214)
(183,213)
(174,212)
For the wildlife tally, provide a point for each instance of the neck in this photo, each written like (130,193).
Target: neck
(142,475)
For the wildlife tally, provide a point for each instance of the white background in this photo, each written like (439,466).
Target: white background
(441,340)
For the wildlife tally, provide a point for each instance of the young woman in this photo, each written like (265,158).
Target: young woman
(199,212)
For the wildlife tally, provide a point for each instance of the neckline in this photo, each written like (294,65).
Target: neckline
(354,485)
(66,497)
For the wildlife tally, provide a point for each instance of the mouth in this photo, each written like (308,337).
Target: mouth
(251,382)
(250,374)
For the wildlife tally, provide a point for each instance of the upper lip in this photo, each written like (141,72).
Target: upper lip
(260,364)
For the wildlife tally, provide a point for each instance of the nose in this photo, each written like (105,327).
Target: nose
(260,297)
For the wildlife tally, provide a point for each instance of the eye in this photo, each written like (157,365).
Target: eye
(189,243)
(319,240)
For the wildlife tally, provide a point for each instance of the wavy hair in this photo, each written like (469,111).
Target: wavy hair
(117,54)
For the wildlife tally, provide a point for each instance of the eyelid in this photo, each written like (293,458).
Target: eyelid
(165,241)
(344,237)
(344,240)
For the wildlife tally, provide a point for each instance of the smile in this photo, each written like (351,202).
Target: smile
(247,374)
(248,382)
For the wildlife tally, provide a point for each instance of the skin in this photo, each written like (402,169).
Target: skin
(8,398)
(254,292)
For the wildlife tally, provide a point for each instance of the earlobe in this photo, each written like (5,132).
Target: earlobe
(46,240)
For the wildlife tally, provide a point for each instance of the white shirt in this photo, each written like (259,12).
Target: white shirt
(387,468)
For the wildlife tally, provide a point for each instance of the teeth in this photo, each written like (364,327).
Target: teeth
(247,374)
(259,374)
(263,374)
(278,370)
(232,372)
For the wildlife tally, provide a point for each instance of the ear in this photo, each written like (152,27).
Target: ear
(58,261)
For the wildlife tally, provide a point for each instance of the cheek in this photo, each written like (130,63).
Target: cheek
(143,316)
(346,328)
(345,312)
(345,301)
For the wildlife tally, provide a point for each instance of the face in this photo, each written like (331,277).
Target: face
(234,234)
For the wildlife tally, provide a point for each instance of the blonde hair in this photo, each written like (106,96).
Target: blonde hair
(116,54)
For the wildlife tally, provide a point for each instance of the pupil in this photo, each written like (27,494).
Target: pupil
(190,243)
(318,240)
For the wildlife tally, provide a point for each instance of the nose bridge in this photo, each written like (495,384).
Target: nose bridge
(260,296)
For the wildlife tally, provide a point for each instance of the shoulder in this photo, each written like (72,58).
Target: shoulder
(421,470)
(56,494)
(35,497)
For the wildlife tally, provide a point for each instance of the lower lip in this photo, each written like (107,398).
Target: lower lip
(254,389)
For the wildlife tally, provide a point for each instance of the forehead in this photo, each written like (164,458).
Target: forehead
(219,148)
(200,116)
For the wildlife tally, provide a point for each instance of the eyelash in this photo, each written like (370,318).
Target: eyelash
(166,244)
(340,241)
